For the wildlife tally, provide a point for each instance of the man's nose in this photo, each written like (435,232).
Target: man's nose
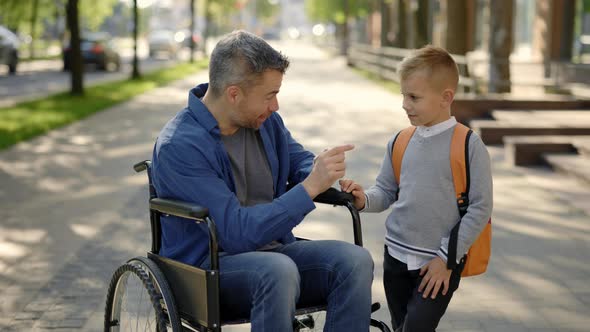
(274,105)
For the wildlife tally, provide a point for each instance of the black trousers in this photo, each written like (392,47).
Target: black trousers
(410,312)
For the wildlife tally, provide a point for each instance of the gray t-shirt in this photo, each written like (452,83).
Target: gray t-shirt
(249,166)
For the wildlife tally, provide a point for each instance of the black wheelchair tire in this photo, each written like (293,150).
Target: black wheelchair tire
(380,325)
(163,288)
(117,288)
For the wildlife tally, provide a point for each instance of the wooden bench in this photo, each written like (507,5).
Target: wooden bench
(529,150)
(468,107)
(565,154)
(383,62)
(582,144)
(493,132)
(532,123)
(574,165)
(561,117)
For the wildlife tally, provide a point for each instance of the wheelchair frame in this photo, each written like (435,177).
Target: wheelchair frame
(187,297)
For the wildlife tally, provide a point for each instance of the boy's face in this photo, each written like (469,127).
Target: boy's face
(424,103)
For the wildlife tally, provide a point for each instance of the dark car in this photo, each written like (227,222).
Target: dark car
(9,43)
(96,50)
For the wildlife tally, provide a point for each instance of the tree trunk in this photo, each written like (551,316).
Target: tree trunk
(344,43)
(207,31)
(34,11)
(135,73)
(192,40)
(567,33)
(385,22)
(422,26)
(500,45)
(401,40)
(457,36)
(76,69)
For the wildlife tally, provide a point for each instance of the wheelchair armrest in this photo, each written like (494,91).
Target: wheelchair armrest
(335,197)
(142,166)
(190,211)
(179,208)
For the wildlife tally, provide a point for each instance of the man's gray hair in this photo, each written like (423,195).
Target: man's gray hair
(240,58)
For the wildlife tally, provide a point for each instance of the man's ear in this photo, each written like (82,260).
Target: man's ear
(233,94)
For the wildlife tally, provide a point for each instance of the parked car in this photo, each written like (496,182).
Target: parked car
(163,42)
(184,36)
(9,44)
(582,45)
(271,34)
(96,49)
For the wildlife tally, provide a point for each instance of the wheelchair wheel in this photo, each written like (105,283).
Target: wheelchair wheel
(157,276)
(315,322)
(139,299)
(310,322)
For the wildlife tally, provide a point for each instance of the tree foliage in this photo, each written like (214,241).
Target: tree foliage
(334,10)
(17,14)
(265,9)
(93,12)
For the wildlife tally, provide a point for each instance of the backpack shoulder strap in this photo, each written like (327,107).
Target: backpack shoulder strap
(399,148)
(459,157)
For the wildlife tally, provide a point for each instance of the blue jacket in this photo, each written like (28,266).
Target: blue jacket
(189,163)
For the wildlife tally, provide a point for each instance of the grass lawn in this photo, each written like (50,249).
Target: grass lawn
(29,119)
(46,57)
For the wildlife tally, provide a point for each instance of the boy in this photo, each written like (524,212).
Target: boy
(418,285)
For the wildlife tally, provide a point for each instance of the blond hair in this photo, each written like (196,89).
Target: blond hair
(436,62)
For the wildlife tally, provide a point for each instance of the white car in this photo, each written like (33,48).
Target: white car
(9,44)
(163,42)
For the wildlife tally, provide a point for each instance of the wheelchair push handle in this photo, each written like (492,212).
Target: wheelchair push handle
(142,166)
(335,197)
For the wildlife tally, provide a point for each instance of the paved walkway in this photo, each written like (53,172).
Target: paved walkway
(71,210)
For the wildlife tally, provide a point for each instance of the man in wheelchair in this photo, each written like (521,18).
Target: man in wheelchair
(230,151)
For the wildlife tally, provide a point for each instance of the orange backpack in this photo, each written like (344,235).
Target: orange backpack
(478,256)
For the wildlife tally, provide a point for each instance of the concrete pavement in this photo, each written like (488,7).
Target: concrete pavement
(71,209)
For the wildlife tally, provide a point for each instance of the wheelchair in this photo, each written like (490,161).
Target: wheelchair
(155,293)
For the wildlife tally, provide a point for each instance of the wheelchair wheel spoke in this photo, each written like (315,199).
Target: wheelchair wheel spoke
(133,304)
(136,309)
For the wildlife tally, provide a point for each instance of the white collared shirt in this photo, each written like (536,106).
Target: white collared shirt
(437,128)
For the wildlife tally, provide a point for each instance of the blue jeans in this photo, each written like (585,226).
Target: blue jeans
(267,286)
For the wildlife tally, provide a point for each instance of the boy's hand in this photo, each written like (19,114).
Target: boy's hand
(357,191)
(434,274)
